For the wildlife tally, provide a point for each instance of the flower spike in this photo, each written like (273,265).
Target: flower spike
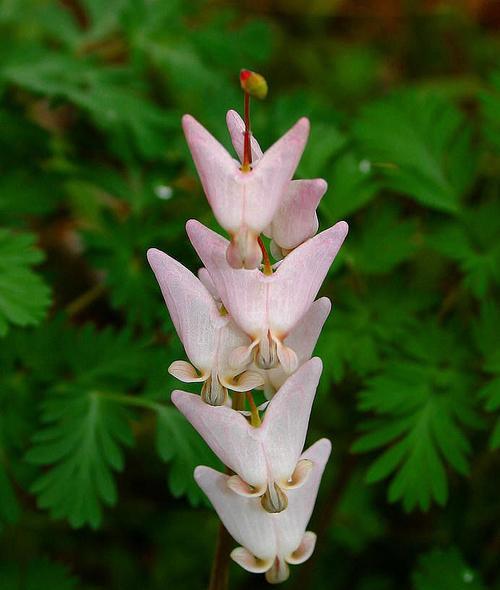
(265,459)
(268,307)
(269,541)
(208,337)
(244,203)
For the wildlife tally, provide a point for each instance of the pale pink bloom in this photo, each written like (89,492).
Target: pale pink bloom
(269,541)
(207,335)
(295,220)
(302,339)
(265,458)
(267,307)
(244,203)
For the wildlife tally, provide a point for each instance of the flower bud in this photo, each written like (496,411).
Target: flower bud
(253,84)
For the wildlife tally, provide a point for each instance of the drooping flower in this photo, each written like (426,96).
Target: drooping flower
(269,541)
(265,459)
(207,335)
(295,220)
(244,202)
(268,307)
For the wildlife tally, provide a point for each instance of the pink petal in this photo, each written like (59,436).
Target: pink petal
(192,309)
(249,562)
(186,372)
(243,292)
(207,282)
(294,520)
(286,420)
(236,127)
(302,339)
(237,444)
(240,199)
(295,220)
(244,518)
(304,550)
(299,277)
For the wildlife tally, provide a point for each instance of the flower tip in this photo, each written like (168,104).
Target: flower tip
(253,84)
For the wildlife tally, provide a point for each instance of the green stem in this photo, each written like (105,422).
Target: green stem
(131,400)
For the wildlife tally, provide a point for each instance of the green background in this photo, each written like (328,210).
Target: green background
(96,487)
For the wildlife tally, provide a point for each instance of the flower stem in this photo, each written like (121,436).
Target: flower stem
(219,576)
(255,419)
(267,263)
(247,151)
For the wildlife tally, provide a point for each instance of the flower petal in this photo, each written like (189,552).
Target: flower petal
(206,281)
(295,220)
(244,199)
(237,444)
(293,521)
(243,292)
(302,339)
(185,372)
(304,550)
(286,419)
(192,309)
(244,518)
(249,562)
(236,127)
(299,277)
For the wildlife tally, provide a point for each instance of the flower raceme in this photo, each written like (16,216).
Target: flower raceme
(246,327)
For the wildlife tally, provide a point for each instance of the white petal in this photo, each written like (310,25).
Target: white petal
(286,419)
(236,127)
(192,309)
(293,521)
(237,444)
(244,518)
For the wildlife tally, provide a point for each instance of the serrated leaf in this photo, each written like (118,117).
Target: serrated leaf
(421,145)
(24,296)
(472,241)
(180,445)
(443,570)
(422,402)
(81,445)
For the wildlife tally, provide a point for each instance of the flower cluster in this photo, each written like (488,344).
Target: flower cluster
(245,325)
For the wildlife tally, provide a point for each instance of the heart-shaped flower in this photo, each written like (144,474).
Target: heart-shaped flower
(244,202)
(269,541)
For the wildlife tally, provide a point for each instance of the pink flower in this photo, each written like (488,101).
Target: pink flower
(268,307)
(244,203)
(269,541)
(265,459)
(208,336)
(295,220)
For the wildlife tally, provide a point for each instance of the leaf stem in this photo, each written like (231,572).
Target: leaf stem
(255,419)
(219,576)
(131,400)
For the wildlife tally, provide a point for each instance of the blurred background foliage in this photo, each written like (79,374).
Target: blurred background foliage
(96,488)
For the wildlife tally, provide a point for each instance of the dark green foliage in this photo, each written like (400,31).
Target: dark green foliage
(440,570)
(24,296)
(404,103)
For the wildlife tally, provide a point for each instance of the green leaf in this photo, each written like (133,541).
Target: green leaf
(443,570)
(382,242)
(422,402)
(24,296)
(181,446)
(490,110)
(487,340)
(422,146)
(472,241)
(37,574)
(81,445)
